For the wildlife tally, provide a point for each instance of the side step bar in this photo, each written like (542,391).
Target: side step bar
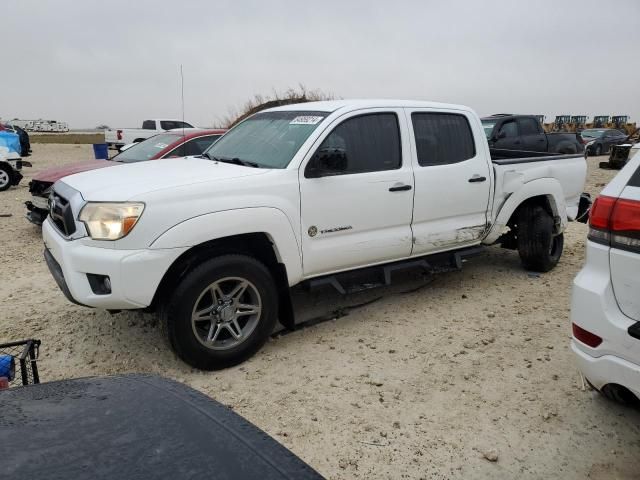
(347,282)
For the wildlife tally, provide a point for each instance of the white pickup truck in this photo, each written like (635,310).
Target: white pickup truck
(300,193)
(119,137)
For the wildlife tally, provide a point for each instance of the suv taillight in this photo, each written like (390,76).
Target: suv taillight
(615,222)
(119,134)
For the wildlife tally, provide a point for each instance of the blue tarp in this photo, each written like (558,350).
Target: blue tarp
(11,141)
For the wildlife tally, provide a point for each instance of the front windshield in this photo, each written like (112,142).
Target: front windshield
(267,139)
(147,149)
(592,133)
(488,127)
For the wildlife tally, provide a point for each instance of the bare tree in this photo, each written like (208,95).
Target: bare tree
(262,102)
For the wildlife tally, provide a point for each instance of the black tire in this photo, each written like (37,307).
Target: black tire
(620,395)
(598,150)
(176,313)
(539,249)
(6,177)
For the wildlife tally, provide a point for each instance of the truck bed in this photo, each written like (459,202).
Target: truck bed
(517,171)
(506,157)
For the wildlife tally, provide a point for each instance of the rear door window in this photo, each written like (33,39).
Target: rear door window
(181,125)
(442,138)
(149,125)
(528,126)
(168,125)
(634,181)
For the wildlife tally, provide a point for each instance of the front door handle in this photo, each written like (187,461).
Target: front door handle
(400,188)
(477,178)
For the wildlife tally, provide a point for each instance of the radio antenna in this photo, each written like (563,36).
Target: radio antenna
(182,98)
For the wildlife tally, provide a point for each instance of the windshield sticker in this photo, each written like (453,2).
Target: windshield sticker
(306,120)
(161,145)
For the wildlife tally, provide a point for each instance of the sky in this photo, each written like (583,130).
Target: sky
(92,62)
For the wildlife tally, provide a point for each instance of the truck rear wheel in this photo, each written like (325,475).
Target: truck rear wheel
(539,248)
(222,312)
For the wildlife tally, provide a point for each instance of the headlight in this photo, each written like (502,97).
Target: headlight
(110,221)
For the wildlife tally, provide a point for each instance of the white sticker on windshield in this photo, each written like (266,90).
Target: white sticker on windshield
(306,120)
(161,145)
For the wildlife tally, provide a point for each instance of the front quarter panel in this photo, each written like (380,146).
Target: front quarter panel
(212,226)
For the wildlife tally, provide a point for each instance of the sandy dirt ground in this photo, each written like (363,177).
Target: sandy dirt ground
(427,381)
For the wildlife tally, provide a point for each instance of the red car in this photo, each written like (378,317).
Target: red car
(164,145)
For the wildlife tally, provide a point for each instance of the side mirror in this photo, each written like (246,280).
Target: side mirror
(502,134)
(327,162)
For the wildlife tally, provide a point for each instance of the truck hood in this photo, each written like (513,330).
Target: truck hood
(54,174)
(135,179)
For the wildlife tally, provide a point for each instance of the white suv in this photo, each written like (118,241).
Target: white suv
(605,307)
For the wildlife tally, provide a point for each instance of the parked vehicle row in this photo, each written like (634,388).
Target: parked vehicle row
(172,144)
(300,194)
(118,137)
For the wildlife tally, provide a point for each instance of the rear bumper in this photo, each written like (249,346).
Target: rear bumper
(607,369)
(594,308)
(16,177)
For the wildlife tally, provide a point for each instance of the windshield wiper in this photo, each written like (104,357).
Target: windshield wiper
(238,161)
(234,160)
(210,157)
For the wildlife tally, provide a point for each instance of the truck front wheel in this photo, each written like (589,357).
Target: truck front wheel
(222,312)
(539,248)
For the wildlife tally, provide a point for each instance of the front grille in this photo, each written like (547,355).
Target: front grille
(61,214)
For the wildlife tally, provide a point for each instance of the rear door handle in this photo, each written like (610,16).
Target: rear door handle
(477,178)
(400,188)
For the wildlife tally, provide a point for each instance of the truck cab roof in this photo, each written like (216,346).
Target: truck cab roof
(353,104)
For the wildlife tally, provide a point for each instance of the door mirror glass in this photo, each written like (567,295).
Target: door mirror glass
(502,134)
(326,162)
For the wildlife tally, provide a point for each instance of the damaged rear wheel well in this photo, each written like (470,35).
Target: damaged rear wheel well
(509,239)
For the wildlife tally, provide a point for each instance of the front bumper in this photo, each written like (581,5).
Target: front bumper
(36,214)
(607,369)
(134,274)
(16,177)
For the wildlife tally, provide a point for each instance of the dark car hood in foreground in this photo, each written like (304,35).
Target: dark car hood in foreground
(133,427)
(54,174)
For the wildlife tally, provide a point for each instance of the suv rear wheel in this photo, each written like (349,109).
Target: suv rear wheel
(539,248)
(222,312)
(619,394)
